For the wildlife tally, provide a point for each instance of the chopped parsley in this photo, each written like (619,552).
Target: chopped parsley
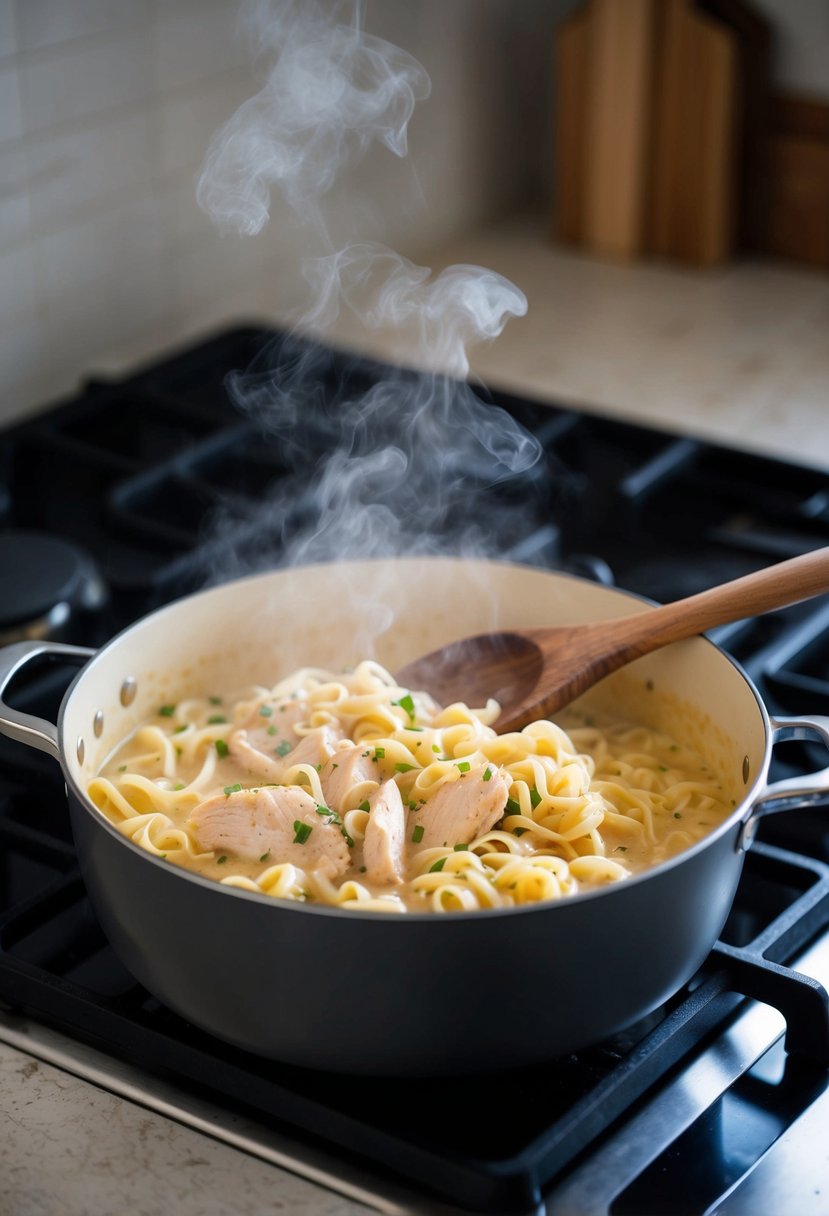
(216,720)
(303,831)
(220,861)
(487,774)
(379,753)
(222,749)
(464,766)
(460,848)
(438,865)
(271,729)
(179,786)
(233,789)
(417,834)
(122,768)
(364,806)
(265,711)
(283,748)
(408,704)
(513,807)
(403,768)
(535,797)
(265,856)
(167,711)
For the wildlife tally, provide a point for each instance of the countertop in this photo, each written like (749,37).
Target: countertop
(739,355)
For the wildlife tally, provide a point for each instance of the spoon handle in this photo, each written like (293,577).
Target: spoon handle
(576,657)
(776,586)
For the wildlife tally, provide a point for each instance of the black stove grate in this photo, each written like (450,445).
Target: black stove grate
(138,472)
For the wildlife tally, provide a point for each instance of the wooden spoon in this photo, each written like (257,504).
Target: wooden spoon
(533,673)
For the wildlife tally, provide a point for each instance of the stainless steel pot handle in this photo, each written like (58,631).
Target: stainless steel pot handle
(26,728)
(791,792)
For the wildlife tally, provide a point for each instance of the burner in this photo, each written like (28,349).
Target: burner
(47,582)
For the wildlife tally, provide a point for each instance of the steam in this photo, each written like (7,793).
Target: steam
(438,319)
(382,461)
(331,92)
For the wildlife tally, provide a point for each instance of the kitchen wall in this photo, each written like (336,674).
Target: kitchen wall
(106,109)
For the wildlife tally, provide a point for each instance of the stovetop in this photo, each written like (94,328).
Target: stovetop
(152,478)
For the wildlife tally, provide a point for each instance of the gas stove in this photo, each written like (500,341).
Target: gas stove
(709,1105)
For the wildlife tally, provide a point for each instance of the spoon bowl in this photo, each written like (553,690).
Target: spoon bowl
(534,673)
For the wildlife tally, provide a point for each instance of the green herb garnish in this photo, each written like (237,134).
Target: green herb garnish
(417,834)
(167,711)
(220,861)
(216,720)
(464,766)
(283,748)
(487,774)
(233,789)
(303,831)
(460,848)
(438,865)
(265,711)
(222,748)
(408,704)
(403,768)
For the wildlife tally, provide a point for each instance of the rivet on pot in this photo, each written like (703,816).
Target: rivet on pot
(98,723)
(128,690)
(745,770)
(80,750)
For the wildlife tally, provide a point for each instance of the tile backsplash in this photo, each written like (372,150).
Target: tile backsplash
(106,110)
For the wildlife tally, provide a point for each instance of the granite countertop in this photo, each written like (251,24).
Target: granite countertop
(738,355)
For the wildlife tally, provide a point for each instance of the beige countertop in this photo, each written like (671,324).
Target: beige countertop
(739,354)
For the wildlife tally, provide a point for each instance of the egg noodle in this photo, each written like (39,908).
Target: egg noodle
(573,808)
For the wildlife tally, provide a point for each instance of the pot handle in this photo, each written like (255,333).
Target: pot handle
(26,728)
(791,792)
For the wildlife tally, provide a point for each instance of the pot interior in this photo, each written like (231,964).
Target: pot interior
(259,629)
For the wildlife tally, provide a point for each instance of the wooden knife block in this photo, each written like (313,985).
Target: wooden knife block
(647,140)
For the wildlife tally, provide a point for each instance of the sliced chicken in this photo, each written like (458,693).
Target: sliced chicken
(459,811)
(345,768)
(385,839)
(270,755)
(278,823)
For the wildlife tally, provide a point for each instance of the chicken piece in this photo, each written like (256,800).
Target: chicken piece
(459,811)
(346,767)
(385,839)
(269,755)
(254,824)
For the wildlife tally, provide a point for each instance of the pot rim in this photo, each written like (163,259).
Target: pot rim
(741,813)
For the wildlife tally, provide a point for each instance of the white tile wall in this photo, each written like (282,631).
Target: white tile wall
(106,110)
(48,23)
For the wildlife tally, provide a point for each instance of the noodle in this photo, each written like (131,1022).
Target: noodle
(394,804)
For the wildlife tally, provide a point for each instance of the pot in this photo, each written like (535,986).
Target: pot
(418,994)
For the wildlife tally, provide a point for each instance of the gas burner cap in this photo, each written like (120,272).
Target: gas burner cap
(45,581)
